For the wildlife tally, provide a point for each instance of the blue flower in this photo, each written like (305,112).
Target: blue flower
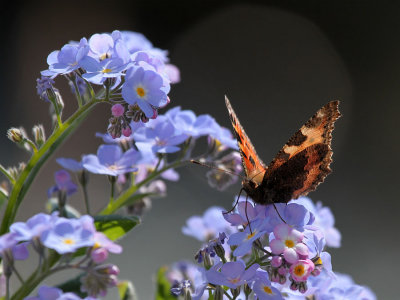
(185,270)
(68,235)
(245,211)
(208,226)
(135,41)
(26,231)
(101,46)
(145,87)
(70,164)
(67,59)
(232,274)
(111,161)
(263,289)
(295,215)
(324,219)
(224,136)
(63,184)
(342,286)
(44,84)
(244,239)
(10,249)
(160,139)
(98,71)
(52,293)
(46,293)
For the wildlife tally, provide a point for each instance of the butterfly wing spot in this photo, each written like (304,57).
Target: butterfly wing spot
(252,161)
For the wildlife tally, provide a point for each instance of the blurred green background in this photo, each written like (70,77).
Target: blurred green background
(278,61)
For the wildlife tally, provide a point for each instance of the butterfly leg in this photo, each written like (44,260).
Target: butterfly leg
(236,203)
(278,213)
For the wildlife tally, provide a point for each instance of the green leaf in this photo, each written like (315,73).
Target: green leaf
(126,290)
(115,226)
(163,291)
(73,285)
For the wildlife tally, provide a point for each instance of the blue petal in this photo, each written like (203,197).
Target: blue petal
(109,154)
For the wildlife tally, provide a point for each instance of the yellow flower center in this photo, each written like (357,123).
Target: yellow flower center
(106,70)
(289,243)
(299,270)
(160,142)
(234,280)
(267,290)
(141,92)
(69,241)
(251,235)
(96,245)
(113,167)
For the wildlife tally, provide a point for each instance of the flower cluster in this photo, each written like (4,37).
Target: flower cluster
(270,253)
(144,152)
(136,76)
(65,237)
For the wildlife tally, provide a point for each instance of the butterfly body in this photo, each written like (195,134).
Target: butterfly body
(299,166)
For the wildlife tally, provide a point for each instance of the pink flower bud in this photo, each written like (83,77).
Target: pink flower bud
(276,261)
(113,270)
(117,110)
(99,255)
(127,131)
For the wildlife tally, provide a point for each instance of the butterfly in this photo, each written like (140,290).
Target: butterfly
(298,168)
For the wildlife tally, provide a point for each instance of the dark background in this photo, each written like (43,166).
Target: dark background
(278,61)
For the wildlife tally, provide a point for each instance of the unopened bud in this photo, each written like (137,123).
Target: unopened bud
(235,292)
(15,135)
(39,134)
(247,290)
(303,287)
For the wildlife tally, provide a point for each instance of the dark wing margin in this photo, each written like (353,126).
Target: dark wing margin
(303,163)
(253,165)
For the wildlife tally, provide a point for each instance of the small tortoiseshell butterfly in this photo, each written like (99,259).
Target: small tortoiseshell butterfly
(299,166)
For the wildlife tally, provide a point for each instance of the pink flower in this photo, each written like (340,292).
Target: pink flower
(289,242)
(301,270)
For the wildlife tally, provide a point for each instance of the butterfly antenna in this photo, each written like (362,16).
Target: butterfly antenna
(215,168)
(236,203)
(245,212)
(278,213)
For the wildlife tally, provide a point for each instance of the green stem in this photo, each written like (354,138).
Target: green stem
(32,144)
(18,275)
(86,198)
(35,278)
(8,175)
(78,94)
(122,199)
(37,160)
(7,288)
(112,181)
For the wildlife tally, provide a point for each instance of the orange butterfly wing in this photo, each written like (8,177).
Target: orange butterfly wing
(253,165)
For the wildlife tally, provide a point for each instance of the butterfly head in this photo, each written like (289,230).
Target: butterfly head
(253,190)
